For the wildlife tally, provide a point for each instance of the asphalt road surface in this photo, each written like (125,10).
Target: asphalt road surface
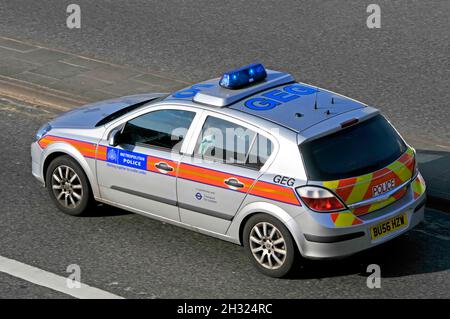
(136,257)
(402,68)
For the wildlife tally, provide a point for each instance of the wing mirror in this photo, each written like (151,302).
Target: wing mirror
(114,137)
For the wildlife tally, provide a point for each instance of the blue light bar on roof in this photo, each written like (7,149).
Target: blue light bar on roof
(243,77)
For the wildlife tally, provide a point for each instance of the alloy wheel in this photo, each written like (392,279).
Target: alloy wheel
(268,245)
(66,186)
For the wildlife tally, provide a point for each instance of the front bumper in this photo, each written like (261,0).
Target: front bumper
(320,242)
(36,162)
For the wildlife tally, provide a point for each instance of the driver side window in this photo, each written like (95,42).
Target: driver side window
(164,129)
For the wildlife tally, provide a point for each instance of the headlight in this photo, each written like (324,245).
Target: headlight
(42,131)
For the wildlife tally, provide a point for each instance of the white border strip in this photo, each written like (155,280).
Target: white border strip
(47,279)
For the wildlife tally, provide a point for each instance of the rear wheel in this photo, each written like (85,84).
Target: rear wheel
(269,245)
(68,186)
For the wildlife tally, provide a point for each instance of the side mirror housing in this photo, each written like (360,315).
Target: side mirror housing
(114,137)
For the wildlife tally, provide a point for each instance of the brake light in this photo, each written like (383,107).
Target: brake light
(319,199)
(349,122)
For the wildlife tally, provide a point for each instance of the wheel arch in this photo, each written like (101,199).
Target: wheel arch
(58,149)
(236,228)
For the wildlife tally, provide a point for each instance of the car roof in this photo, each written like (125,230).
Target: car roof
(278,99)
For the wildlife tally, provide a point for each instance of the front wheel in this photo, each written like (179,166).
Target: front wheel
(269,245)
(68,186)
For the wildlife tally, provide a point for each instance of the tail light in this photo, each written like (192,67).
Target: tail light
(320,199)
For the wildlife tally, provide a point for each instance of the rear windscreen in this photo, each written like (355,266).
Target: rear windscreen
(353,151)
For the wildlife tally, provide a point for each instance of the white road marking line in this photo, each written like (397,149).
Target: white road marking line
(432,235)
(72,64)
(16,50)
(47,279)
(442,146)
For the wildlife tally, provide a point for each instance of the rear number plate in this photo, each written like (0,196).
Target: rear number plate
(389,226)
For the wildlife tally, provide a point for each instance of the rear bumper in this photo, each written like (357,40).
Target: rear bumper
(319,242)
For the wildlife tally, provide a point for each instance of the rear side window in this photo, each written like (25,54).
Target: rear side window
(259,153)
(230,143)
(353,151)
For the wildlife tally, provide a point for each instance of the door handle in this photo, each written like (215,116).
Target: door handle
(164,166)
(233,182)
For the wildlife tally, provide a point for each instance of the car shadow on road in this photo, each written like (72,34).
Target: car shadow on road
(424,249)
(104,210)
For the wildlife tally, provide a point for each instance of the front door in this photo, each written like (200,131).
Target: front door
(140,172)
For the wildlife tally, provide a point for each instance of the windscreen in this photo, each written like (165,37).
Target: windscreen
(357,150)
(125,110)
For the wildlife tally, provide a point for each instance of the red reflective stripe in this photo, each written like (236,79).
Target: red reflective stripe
(187,171)
(212,177)
(216,178)
(85,148)
(152,161)
(101,152)
(334,216)
(345,188)
(274,192)
(400,193)
(361,210)
(405,158)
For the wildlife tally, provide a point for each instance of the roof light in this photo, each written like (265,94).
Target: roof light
(243,77)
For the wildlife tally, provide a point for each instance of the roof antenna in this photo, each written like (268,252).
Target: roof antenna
(315,101)
(332,100)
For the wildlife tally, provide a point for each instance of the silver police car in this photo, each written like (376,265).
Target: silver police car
(283,168)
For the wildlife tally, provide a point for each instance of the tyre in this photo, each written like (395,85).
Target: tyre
(68,186)
(269,245)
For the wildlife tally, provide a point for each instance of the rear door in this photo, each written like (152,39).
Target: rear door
(214,179)
(361,164)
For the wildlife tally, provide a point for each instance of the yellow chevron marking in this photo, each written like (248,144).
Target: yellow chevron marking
(344,219)
(410,151)
(382,204)
(331,184)
(359,188)
(418,186)
(400,170)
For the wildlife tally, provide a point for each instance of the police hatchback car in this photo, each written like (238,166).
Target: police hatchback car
(283,168)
